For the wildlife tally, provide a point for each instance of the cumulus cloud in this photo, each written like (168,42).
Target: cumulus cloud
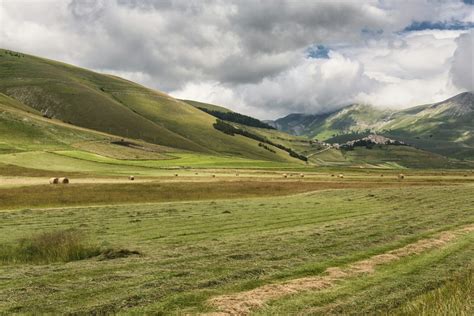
(462,69)
(253,56)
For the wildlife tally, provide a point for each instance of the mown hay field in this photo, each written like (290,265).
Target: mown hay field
(194,252)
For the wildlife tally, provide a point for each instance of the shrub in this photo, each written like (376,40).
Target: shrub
(55,246)
(266,147)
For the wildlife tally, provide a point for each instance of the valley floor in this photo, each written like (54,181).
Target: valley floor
(252,243)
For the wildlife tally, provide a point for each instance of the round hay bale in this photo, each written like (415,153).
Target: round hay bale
(53,181)
(196,173)
(302,175)
(401,176)
(213,175)
(131,178)
(332,175)
(341,176)
(175,174)
(381,175)
(63,180)
(285,175)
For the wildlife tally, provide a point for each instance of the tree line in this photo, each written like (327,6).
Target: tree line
(231,130)
(237,118)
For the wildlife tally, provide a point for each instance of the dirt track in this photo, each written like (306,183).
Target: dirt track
(244,302)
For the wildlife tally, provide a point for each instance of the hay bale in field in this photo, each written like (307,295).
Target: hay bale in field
(63,180)
(401,176)
(332,175)
(213,175)
(53,181)
(301,175)
(196,173)
(341,176)
(175,174)
(131,178)
(285,175)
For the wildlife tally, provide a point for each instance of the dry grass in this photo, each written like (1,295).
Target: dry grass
(97,194)
(17,171)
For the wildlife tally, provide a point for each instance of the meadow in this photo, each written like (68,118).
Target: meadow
(166,213)
(252,243)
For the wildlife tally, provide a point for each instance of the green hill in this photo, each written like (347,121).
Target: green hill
(116,106)
(353,118)
(300,144)
(445,128)
(31,141)
(61,113)
(208,106)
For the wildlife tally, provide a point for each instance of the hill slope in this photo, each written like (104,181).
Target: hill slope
(446,127)
(117,106)
(356,117)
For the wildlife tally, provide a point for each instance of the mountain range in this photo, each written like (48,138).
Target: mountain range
(445,127)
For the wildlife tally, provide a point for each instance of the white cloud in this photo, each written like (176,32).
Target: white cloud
(462,69)
(225,52)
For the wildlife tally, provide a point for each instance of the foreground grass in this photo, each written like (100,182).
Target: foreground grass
(193,251)
(456,297)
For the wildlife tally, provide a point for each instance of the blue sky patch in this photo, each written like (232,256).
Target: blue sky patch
(427,25)
(317,51)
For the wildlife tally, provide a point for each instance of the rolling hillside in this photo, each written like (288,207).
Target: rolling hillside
(301,144)
(47,145)
(116,106)
(445,128)
(356,117)
(54,107)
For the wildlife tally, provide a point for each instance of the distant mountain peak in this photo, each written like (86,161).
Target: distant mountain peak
(457,106)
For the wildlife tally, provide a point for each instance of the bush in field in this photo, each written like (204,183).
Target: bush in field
(55,246)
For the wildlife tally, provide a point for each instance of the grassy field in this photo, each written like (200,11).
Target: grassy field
(235,240)
(213,222)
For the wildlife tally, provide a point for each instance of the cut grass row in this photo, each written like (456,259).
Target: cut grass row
(152,192)
(193,251)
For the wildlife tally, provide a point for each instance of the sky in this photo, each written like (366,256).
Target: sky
(265,58)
